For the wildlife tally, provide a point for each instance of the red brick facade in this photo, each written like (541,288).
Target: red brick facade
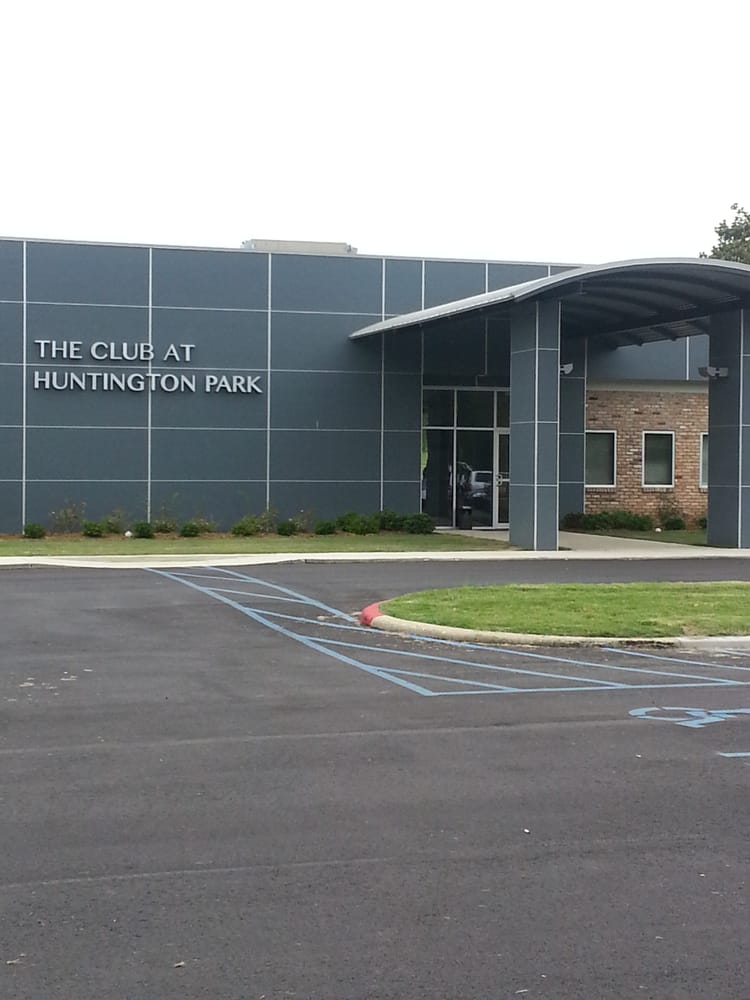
(681,409)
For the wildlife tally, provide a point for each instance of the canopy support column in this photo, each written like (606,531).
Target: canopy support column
(729,430)
(534,420)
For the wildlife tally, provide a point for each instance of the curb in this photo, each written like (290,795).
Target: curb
(373,617)
(496,556)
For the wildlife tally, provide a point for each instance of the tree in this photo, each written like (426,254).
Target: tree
(734,238)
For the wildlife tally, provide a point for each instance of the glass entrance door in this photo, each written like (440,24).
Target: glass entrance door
(465,448)
(502,478)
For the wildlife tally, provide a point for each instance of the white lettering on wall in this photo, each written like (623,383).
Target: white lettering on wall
(113,381)
(121,352)
(173,352)
(232,383)
(135,352)
(59,349)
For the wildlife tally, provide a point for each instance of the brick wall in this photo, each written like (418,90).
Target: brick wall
(630,412)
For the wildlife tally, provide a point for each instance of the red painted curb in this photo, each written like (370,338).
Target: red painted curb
(370,613)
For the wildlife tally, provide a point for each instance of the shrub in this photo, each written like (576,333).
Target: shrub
(67,520)
(305,521)
(573,521)
(143,529)
(206,525)
(670,513)
(702,522)
(631,521)
(366,524)
(418,524)
(115,523)
(325,528)
(164,525)
(93,529)
(642,522)
(246,526)
(288,527)
(164,522)
(190,529)
(676,523)
(348,521)
(34,530)
(606,520)
(391,521)
(621,518)
(598,522)
(268,520)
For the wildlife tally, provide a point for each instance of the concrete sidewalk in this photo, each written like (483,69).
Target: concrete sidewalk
(572,546)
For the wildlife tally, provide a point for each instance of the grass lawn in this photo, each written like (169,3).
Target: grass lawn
(391,541)
(647,610)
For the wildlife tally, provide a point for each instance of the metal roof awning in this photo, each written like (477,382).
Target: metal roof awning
(630,302)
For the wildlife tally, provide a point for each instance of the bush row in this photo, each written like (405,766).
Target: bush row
(248,525)
(351,522)
(669,519)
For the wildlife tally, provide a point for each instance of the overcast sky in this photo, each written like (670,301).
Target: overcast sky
(576,132)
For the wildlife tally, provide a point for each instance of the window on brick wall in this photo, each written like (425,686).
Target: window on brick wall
(658,458)
(601,453)
(704,460)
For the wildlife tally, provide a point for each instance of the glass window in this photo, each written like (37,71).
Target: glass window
(600,458)
(438,407)
(474,476)
(475,409)
(437,479)
(704,460)
(658,449)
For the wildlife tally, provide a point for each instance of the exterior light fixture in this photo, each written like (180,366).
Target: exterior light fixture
(712,372)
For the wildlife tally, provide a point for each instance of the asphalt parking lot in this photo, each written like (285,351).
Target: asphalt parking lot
(215,784)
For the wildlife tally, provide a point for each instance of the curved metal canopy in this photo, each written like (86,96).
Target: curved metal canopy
(630,302)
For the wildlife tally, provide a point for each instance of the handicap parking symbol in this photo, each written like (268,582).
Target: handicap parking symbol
(691,718)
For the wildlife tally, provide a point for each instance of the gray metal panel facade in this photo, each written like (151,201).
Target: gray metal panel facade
(729,431)
(663,360)
(337,424)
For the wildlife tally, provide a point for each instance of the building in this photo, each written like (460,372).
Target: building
(220,382)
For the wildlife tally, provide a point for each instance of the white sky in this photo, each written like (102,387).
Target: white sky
(580,131)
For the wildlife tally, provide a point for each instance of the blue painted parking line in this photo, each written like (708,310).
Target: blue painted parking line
(292,593)
(669,659)
(588,663)
(589,689)
(315,621)
(440,679)
(305,640)
(480,666)
(234,575)
(455,680)
(263,597)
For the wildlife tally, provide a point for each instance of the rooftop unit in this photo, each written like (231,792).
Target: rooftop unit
(299,246)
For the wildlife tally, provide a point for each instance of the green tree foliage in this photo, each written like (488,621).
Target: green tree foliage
(733,238)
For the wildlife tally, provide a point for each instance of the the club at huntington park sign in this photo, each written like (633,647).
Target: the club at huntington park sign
(142,353)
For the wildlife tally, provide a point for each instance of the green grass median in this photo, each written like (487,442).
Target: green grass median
(626,610)
(216,544)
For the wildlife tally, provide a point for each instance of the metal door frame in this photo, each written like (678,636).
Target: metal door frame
(499,432)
